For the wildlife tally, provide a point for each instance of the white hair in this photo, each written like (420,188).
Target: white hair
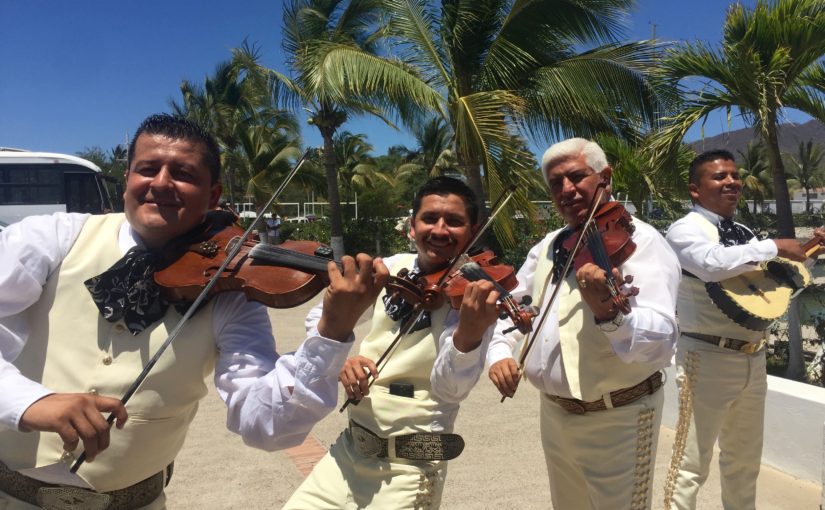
(573,148)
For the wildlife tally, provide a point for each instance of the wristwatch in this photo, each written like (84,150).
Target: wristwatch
(611,325)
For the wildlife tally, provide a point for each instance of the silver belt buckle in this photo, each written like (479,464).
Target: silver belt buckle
(367,444)
(71,498)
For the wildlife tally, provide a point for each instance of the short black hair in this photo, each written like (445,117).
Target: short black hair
(444,186)
(705,157)
(179,128)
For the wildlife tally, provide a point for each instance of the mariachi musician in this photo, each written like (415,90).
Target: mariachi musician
(720,362)
(597,367)
(400,436)
(80,315)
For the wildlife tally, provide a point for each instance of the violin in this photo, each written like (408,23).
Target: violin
(281,276)
(608,244)
(430,291)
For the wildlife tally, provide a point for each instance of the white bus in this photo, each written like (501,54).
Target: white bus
(43,183)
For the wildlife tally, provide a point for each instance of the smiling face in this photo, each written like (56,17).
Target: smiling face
(168,188)
(573,185)
(717,187)
(441,228)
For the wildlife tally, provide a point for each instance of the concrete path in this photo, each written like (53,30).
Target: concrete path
(502,465)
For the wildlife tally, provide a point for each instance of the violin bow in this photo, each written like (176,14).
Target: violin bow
(526,346)
(197,302)
(417,310)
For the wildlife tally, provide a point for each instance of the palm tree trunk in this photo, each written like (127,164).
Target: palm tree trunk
(784,220)
(230,174)
(796,355)
(473,172)
(336,224)
(784,216)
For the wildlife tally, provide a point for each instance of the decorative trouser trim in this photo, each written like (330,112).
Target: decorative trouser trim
(428,482)
(686,394)
(644,458)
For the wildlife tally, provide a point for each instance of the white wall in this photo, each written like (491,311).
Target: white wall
(794,418)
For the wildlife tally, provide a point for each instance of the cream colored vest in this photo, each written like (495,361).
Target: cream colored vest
(695,309)
(592,368)
(412,362)
(72,349)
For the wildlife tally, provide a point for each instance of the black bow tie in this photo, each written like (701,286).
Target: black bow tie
(128,291)
(560,255)
(733,234)
(399,309)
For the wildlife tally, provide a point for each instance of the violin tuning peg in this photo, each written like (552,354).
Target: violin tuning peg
(526,300)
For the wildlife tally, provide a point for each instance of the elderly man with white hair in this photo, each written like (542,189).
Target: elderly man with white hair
(598,369)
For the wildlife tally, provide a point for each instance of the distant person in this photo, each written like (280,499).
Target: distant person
(394,452)
(80,315)
(273,229)
(721,364)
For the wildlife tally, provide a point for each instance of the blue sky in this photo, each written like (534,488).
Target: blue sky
(85,73)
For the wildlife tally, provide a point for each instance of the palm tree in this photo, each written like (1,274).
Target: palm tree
(507,70)
(434,154)
(771,58)
(634,176)
(337,72)
(806,168)
(755,174)
(357,170)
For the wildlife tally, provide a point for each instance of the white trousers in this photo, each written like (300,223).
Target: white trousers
(721,395)
(345,479)
(602,460)
(9,503)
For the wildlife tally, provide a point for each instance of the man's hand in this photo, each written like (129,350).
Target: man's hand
(478,312)
(504,374)
(353,377)
(75,417)
(351,291)
(595,291)
(819,235)
(790,249)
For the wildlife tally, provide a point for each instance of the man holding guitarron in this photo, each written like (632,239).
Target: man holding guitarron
(720,361)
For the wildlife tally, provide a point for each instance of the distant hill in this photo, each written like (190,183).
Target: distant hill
(789,137)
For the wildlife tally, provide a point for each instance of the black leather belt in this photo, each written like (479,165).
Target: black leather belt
(57,497)
(618,398)
(733,344)
(428,446)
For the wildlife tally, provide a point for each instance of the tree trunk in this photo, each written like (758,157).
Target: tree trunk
(784,216)
(473,172)
(796,355)
(336,223)
(229,178)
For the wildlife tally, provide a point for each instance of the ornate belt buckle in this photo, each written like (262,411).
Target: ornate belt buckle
(71,498)
(367,444)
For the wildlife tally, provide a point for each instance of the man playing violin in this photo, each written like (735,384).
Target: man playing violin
(720,364)
(394,452)
(598,369)
(69,351)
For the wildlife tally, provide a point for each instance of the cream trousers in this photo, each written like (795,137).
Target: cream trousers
(345,479)
(601,460)
(721,395)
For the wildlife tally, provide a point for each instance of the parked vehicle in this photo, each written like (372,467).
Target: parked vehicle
(43,183)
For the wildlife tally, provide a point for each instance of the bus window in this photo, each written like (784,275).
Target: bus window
(82,193)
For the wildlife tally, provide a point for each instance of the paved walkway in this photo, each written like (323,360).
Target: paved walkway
(502,466)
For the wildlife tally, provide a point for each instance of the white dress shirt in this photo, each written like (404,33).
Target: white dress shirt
(647,335)
(454,373)
(707,259)
(250,377)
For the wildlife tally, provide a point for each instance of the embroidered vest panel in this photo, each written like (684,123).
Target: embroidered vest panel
(695,310)
(74,350)
(591,366)
(411,362)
